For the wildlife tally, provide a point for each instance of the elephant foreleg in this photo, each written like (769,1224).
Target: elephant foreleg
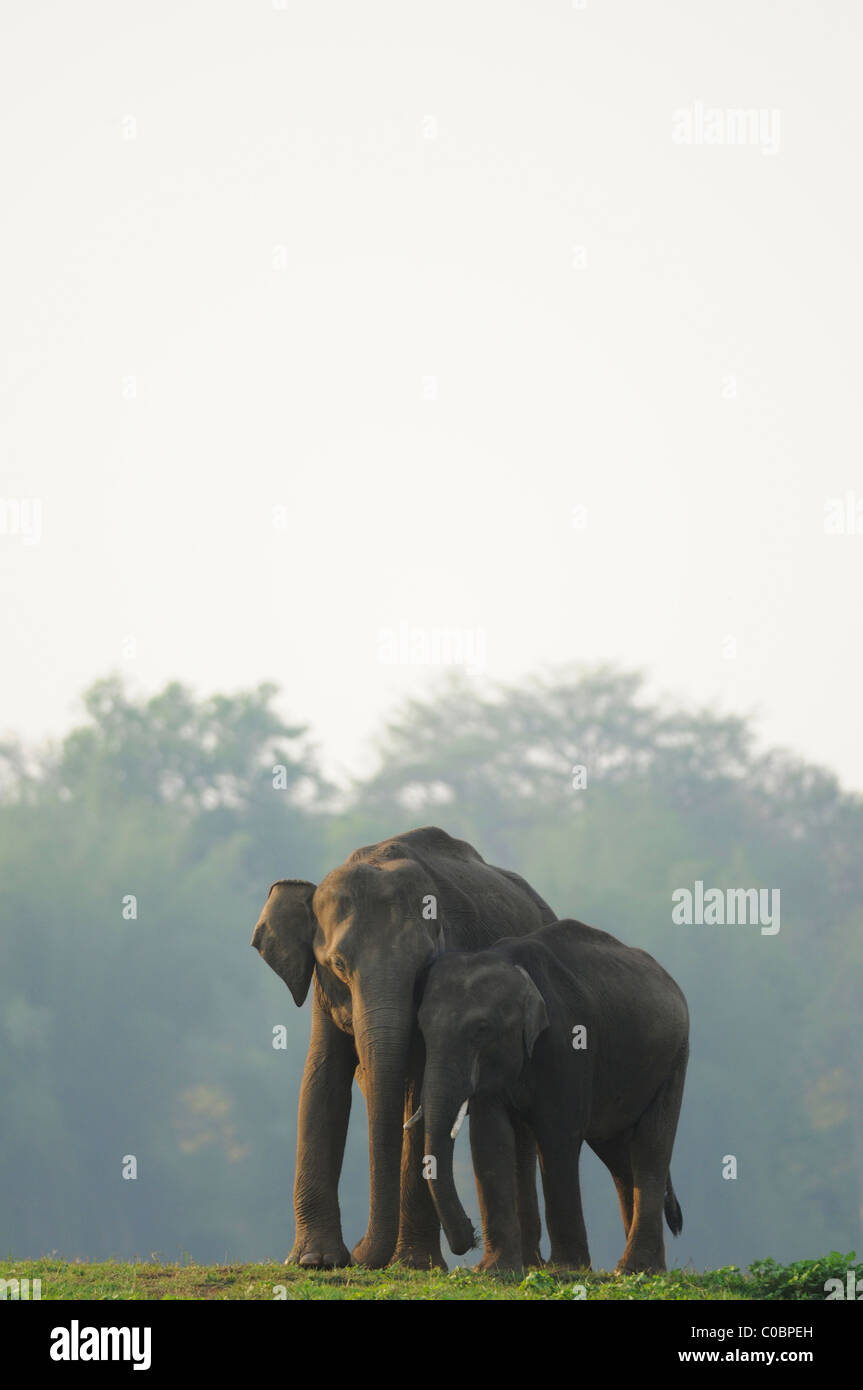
(559,1152)
(495,1151)
(322,1125)
(528,1206)
(419,1227)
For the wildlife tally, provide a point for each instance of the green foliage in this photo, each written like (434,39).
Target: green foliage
(765,1280)
(149,1036)
(803,1278)
(255,1282)
(176,749)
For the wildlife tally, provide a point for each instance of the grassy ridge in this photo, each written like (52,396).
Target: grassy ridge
(63,1279)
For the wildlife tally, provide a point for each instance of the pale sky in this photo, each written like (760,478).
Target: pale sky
(443,282)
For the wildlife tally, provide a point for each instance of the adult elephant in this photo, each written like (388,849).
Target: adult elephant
(366,933)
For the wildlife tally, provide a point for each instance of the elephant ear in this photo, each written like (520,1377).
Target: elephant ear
(535,1017)
(285,933)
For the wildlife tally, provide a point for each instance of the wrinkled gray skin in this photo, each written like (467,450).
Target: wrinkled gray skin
(366,934)
(498,1030)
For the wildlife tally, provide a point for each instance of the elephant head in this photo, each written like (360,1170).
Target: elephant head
(480,1018)
(365,926)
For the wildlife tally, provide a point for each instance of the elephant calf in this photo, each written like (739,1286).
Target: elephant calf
(583,1038)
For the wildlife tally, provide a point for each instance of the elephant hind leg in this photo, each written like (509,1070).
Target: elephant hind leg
(614,1153)
(652,1142)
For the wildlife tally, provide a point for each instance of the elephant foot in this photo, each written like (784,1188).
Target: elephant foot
(415,1257)
(499,1262)
(372,1254)
(578,1260)
(532,1259)
(637,1266)
(316,1253)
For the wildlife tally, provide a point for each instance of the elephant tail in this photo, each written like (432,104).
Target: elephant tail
(673,1214)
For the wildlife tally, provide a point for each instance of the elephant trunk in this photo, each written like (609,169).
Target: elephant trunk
(382,1034)
(442,1109)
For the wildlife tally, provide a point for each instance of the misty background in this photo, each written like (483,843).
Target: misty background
(535,326)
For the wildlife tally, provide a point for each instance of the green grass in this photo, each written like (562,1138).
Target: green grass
(63,1279)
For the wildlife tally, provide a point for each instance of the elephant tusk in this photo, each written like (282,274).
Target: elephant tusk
(459,1120)
(417,1115)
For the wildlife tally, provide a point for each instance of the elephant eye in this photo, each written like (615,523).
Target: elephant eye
(337,965)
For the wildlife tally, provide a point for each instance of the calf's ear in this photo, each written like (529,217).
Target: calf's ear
(535,1015)
(285,933)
